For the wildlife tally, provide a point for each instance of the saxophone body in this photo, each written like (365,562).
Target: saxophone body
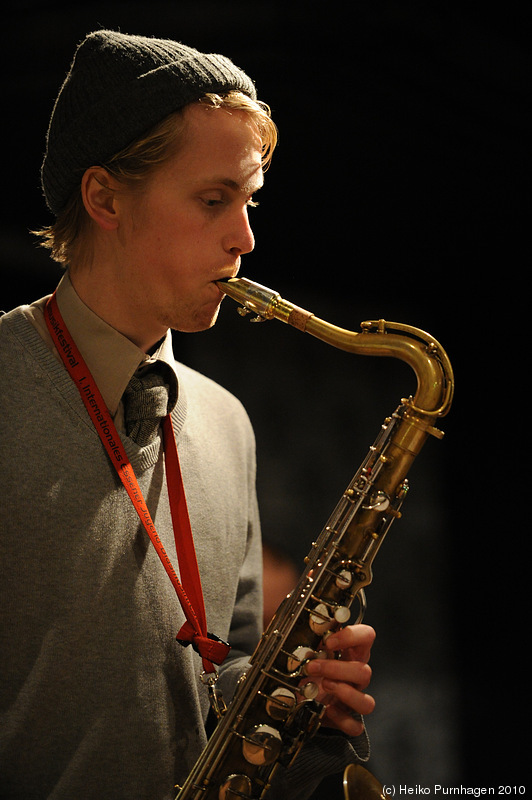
(274,710)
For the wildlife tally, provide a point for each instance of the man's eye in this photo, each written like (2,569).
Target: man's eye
(212,201)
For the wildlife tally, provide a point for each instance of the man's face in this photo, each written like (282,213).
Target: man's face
(190,226)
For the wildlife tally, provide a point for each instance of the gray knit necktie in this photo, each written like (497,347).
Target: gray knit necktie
(145,405)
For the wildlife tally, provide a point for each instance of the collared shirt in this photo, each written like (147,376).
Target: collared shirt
(112,358)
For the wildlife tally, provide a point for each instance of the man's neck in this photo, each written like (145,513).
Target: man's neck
(99,295)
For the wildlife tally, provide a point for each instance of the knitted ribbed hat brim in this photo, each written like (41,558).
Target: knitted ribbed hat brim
(118,87)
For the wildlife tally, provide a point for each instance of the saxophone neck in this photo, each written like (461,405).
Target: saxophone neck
(435,381)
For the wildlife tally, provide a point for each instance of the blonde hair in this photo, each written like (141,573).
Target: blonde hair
(70,233)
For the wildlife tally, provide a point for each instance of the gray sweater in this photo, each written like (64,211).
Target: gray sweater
(96,696)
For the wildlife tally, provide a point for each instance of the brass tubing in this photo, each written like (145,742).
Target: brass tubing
(412,345)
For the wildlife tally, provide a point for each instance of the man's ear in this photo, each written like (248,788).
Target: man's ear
(98,193)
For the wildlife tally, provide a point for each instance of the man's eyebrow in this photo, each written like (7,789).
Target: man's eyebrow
(245,188)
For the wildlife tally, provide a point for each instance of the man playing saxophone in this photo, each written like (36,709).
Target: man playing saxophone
(153,157)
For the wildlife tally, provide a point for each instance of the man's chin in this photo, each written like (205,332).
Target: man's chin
(202,322)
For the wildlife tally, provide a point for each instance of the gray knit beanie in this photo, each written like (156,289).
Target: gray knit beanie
(118,87)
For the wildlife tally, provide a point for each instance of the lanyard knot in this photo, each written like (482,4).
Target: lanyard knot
(211,648)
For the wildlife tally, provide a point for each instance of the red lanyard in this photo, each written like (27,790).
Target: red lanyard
(194,630)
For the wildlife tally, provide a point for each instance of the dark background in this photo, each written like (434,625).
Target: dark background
(400,190)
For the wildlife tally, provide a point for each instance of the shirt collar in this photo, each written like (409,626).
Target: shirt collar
(112,358)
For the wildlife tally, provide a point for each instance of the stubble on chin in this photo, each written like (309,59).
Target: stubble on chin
(192,320)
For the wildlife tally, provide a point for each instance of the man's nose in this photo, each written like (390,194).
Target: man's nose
(241,239)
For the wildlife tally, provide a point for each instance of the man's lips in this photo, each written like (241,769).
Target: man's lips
(218,295)
(225,274)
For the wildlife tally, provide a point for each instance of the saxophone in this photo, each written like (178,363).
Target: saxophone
(274,710)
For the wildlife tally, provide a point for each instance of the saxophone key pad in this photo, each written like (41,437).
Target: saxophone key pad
(320,620)
(235,786)
(262,745)
(342,614)
(309,690)
(280,702)
(344,579)
(298,657)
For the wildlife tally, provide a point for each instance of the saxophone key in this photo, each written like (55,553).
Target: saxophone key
(309,690)
(320,620)
(297,659)
(262,745)
(280,703)
(342,614)
(379,501)
(235,786)
(344,579)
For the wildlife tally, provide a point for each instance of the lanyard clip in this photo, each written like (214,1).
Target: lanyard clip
(216,699)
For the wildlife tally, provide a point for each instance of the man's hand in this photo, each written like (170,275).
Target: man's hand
(342,680)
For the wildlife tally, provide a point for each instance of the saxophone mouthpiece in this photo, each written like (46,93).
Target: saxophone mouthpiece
(254,297)
(264,302)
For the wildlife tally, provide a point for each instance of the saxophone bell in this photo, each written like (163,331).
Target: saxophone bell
(360,783)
